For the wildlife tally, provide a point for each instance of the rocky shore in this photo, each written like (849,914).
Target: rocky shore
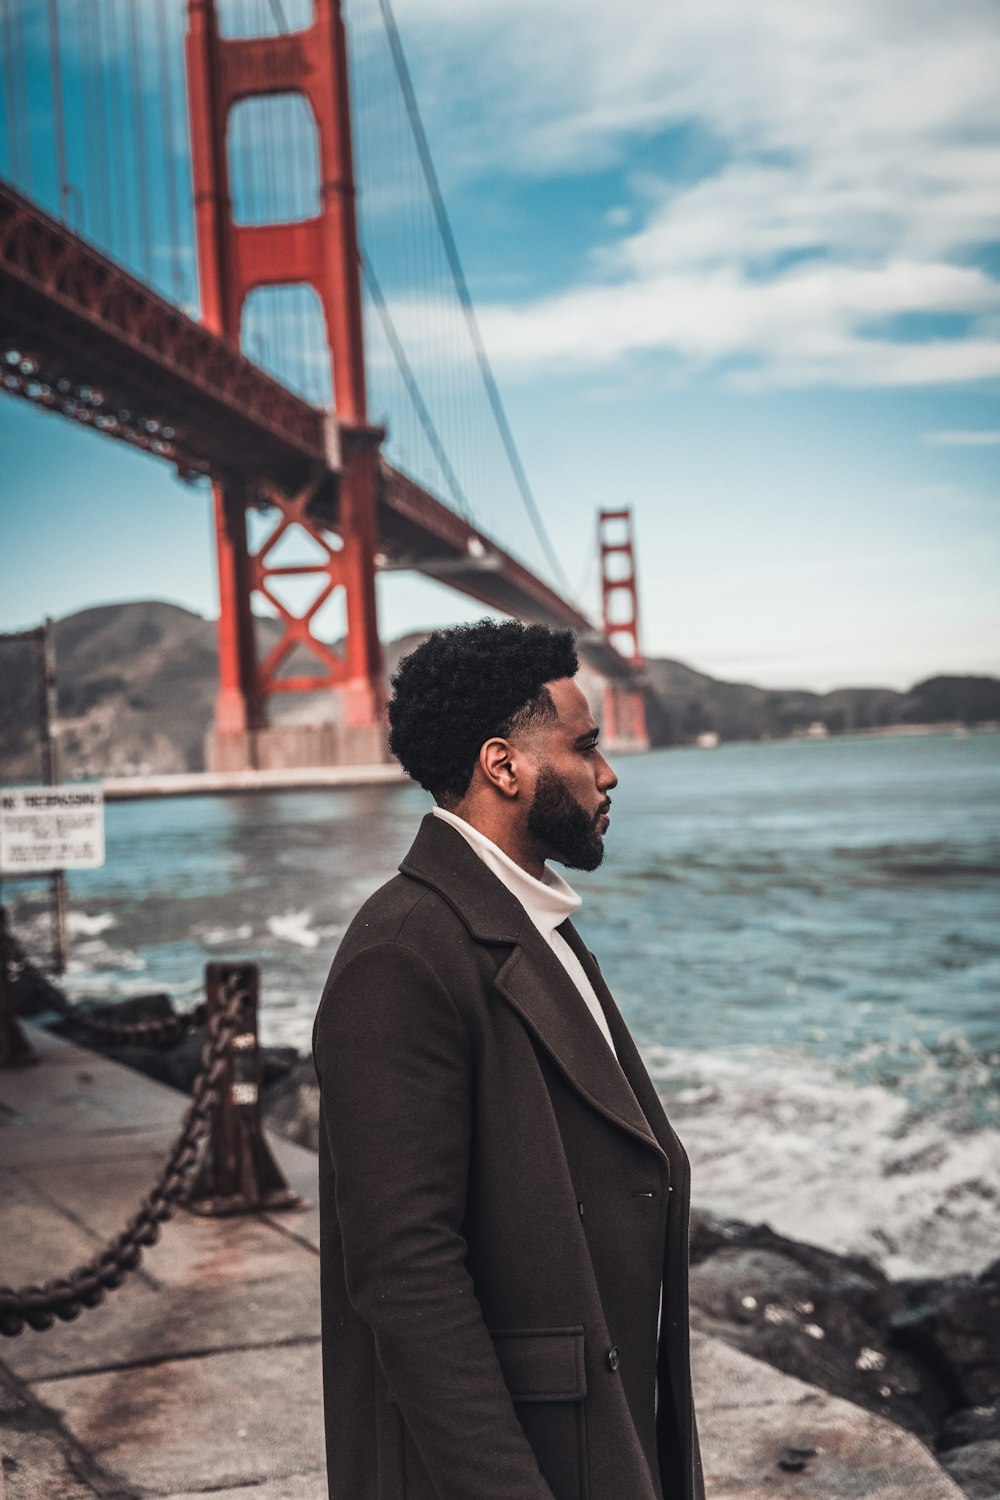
(925,1354)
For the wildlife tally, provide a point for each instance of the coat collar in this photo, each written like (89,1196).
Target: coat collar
(533,981)
(441,858)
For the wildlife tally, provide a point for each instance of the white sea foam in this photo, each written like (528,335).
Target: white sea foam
(845,1165)
(103,987)
(96,956)
(215,937)
(80,924)
(295,927)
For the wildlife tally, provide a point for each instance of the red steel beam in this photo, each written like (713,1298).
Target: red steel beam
(84,322)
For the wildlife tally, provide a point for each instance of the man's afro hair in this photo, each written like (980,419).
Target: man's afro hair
(462,686)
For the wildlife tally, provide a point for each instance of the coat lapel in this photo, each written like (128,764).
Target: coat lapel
(631,1061)
(533,981)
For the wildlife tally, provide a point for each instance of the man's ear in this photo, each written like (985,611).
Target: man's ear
(496,759)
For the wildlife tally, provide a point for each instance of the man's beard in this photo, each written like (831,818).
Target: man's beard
(562,827)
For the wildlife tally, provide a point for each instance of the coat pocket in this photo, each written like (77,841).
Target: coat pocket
(545,1372)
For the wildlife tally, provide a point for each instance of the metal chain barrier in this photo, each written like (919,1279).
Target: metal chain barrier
(66,1297)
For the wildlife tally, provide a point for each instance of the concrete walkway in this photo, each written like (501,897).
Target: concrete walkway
(201,1374)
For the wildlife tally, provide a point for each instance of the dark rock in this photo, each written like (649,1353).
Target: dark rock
(32,994)
(710,1233)
(136,1008)
(969,1426)
(276,1063)
(822,1317)
(975,1468)
(954,1326)
(175,1063)
(291,1106)
(794,1460)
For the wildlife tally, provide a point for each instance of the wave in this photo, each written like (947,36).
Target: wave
(218,937)
(82,924)
(777,1138)
(295,927)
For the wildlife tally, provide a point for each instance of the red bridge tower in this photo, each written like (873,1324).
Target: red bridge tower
(624,704)
(322,252)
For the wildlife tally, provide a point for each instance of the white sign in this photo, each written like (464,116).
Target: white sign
(51,828)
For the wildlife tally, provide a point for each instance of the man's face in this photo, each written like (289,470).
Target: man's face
(569,807)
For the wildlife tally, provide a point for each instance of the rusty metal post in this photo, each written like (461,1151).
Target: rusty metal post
(15,1049)
(238,1174)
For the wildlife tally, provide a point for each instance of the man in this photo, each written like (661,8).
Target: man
(504,1206)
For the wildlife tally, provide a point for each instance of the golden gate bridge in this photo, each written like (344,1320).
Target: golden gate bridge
(184,268)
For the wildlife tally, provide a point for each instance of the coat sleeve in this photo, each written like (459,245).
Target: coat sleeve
(396,1077)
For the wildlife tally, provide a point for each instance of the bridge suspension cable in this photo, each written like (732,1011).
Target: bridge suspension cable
(413,387)
(58,115)
(462,290)
(169,147)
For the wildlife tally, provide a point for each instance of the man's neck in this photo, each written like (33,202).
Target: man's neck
(521,850)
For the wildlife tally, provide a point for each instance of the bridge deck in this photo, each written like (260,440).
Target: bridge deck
(201,1374)
(105,350)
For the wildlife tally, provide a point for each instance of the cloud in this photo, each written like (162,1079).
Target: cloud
(964,439)
(805,327)
(847,175)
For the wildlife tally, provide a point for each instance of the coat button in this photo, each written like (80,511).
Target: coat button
(613,1358)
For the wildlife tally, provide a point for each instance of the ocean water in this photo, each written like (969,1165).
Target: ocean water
(804,938)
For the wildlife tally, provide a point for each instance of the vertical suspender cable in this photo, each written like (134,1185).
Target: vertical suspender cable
(142,166)
(250,195)
(21,85)
(58,116)
(10,86)
(169,143)
(92,199)
(93,15)
(266,112)
(116,136)
(414,392)
(98,190)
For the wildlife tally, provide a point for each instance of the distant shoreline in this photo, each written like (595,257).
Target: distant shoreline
(320,778)
(226,783)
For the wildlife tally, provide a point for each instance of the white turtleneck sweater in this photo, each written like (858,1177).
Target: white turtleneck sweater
(548,902)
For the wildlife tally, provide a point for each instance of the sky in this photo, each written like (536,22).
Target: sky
(735,266)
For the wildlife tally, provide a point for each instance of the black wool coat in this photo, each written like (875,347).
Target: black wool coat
(499,1201)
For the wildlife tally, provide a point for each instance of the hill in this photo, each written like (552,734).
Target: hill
(137,684)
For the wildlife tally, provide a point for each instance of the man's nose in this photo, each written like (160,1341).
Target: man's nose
(607,781)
